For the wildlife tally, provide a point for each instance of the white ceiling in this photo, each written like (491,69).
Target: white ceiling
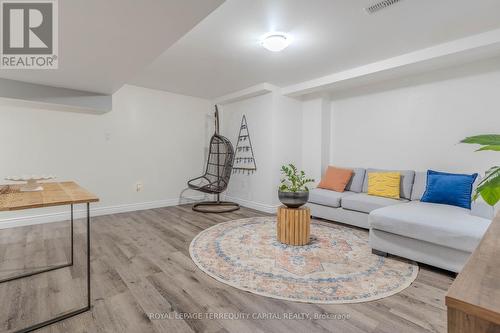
(222,54)
(103,43)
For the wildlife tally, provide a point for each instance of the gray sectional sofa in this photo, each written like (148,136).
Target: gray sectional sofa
(439,235)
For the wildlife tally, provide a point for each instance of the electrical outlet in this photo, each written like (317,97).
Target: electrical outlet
(139,186)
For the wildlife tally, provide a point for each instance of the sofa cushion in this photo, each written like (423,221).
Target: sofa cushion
(449,188)
(356,182)
(335,179)
(326,197)
(384,184)
(362,202)
(419,185)
(407,177)
(445,225)
(478,207)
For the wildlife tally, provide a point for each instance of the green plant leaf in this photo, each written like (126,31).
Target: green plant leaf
(491,173)
(490,194)
(475,196)
(293,179)
(490,147)
(485,139)
(489,188)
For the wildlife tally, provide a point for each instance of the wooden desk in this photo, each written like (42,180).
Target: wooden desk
(53,194)
(473,299)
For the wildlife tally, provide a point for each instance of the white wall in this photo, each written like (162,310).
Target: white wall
(316,136)
(419,126)
(150,136)
(252,188)
(312,137)
(287,137)
(274,122)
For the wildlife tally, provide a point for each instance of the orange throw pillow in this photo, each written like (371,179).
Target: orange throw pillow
(335,179)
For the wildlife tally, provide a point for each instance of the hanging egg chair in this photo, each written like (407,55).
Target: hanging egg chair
(217,174)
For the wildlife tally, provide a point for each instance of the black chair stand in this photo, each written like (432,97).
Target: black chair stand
(217,174)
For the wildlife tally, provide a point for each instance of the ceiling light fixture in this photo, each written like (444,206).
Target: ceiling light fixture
(275,42)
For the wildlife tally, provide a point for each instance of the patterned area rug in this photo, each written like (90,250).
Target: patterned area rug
(336,267)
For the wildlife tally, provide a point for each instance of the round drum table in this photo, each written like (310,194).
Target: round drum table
(293,225)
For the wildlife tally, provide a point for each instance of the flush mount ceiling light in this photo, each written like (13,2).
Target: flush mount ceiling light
(275,42)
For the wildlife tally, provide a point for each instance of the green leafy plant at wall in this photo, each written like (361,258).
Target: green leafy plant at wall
(489,188)
(292,180)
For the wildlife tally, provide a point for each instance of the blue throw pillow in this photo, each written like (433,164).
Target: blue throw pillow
(449,188)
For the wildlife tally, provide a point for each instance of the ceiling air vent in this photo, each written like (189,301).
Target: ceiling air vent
(380,5)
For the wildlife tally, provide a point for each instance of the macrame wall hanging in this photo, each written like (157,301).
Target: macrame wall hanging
(244,161)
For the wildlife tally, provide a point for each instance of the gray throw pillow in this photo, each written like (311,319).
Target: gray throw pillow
(356,182)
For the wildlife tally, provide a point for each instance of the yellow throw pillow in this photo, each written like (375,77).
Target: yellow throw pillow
(384,184)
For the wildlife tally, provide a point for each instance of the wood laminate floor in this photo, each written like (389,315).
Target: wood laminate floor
(141,265)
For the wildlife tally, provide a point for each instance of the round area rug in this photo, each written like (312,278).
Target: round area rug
(336,267)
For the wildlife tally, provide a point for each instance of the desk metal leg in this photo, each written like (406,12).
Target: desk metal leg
(89,301)
(74,312)
(72,237)
(47,269)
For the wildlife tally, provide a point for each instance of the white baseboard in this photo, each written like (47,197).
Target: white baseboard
(79,213)
(26,220)
(253,204)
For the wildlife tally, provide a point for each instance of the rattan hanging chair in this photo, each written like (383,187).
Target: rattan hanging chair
(217,174)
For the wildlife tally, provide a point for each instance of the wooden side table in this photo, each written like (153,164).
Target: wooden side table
(293,225)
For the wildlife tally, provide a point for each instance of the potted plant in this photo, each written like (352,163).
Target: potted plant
(489,188)
(293,191)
